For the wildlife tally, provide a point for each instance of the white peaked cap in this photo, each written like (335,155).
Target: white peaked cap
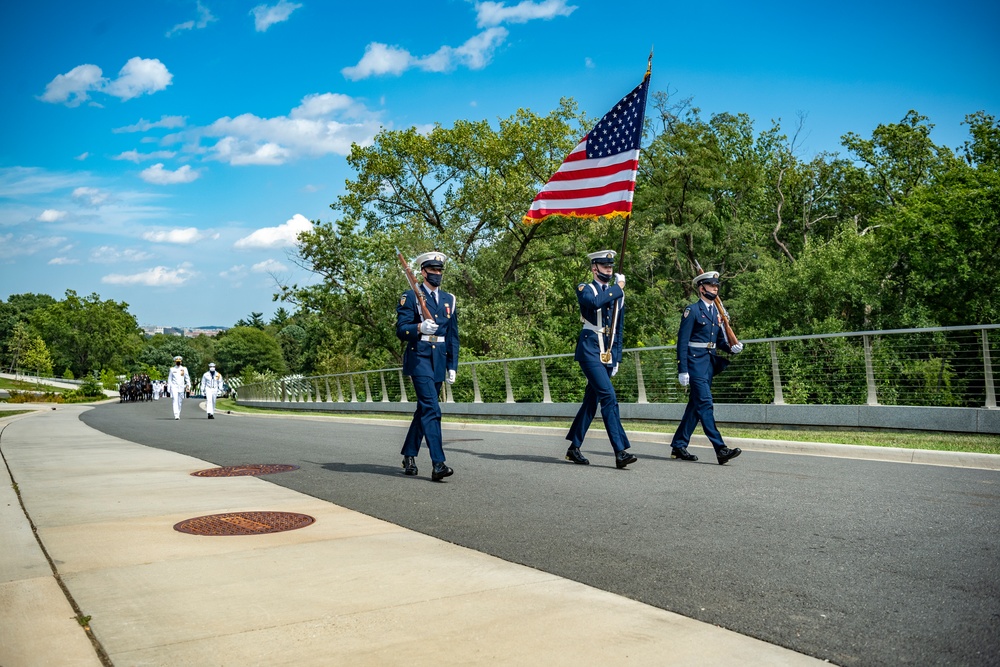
(431,258)
(711,276)
(603,256)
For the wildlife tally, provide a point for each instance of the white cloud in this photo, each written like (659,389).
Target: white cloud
(264,17)
(138,76)
(169,122)
(381,59)
(137,157)
(322,124)
(589,63)
(495,13)
(73,87)
(106,254)
(157,175)
(91,196)
(204,18)
(282,236)
(27,244)
(51,215)
(82,156)
(178,236)
(21,181)
(235,274)
(62,261)
(268,266)
(158,276)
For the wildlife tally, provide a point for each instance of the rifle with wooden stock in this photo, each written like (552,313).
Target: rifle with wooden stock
(723,313)
(410,278)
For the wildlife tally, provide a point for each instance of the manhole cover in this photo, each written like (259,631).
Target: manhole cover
(244,523)
(239,471)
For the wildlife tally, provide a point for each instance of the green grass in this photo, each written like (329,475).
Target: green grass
(951,442)
(21,385)
(11,413)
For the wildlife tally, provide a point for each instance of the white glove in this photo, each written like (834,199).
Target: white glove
(736,349)
(684,379)
(451,377)
(428,327)
(614,371)
(620,279)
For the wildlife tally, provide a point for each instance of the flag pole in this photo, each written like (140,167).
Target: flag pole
(628,217)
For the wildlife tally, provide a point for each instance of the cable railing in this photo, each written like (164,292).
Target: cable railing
(934,366)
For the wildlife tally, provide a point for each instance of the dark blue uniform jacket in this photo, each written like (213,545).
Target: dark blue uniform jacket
(424,358)
(587,345)
(698,327)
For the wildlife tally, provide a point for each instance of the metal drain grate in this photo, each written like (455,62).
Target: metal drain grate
(244,523)
(239,471)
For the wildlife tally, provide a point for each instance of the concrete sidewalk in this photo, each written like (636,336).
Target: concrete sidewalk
(349,589)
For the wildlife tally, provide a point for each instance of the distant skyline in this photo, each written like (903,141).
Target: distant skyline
(166,153)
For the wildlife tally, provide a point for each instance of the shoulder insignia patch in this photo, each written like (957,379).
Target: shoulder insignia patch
(402,301)
(580,287)
(687,311)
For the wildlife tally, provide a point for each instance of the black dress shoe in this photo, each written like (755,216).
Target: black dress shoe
(725,454)
(623,458)
(409,465)
(573,454)
(441,471)
(682,453)
(211,416)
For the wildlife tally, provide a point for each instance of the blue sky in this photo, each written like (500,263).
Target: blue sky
(164,153)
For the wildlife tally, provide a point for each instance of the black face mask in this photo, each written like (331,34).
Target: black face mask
(602,277)
(434,279)
(178,363)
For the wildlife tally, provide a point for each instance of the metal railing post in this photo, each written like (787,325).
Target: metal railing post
(448,397)
(354,393)
(477,397)
(546,396)
(316,395)
(779,398)
(385,392)
(869,372)
(329,396)
(402,388)
(639,381)
(368,390)
(340,392)
(991,396)
(506,379)
(284,392)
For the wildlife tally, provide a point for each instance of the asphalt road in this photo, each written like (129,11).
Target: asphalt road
(858,562)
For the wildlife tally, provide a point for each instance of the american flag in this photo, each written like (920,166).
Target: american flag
(598,177)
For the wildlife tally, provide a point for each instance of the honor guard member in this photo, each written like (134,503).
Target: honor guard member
(701,334)
(599,351)
(211,385)
(179,382)
(430,358)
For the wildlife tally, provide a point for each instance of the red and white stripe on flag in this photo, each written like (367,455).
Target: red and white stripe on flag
(597,179)
(588,187)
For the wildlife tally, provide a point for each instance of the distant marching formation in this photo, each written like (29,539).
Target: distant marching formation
(138,388)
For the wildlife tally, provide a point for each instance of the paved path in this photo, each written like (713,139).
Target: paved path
(858,560)
(350,589)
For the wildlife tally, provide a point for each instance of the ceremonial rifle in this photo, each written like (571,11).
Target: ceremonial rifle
(730,336)
(410,278)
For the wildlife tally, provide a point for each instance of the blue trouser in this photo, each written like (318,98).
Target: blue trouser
(599,388)
(699,408)
(426,420)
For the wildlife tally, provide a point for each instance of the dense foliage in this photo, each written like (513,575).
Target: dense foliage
(897,232)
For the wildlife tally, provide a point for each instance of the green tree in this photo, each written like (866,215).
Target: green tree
(243,348)
(36,358)
(88,333)
(159,351)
